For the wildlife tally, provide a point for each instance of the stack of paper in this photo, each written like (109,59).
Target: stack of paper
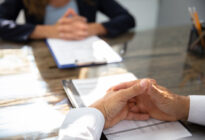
(90,51)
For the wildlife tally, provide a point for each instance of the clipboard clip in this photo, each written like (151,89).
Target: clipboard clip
(88,62)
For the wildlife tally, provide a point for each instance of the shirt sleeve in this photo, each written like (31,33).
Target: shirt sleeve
(82,124)
(9,29)
(197,109)
(120,19)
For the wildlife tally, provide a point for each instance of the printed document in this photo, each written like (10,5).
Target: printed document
(87,51)
(91,90)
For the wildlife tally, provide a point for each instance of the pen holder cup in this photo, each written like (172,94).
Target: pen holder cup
(196,43)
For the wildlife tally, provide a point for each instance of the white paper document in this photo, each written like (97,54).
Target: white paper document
(91,90)
(92,50)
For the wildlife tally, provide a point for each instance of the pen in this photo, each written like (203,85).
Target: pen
(191,14)
(198,26)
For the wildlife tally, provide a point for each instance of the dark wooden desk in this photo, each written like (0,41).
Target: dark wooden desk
(159,54)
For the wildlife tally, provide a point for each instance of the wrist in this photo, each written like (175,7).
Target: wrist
(101,29)
(185,105)
(44,31)
(99,106)
(97,29)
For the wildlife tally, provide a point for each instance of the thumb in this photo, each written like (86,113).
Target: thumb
(135,90)
(70,12)
(157,93)
(127,85)
(123,85)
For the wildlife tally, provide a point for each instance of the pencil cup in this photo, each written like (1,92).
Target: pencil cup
(195,45)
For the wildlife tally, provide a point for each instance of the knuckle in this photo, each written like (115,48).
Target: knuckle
(59,28)
(134,88)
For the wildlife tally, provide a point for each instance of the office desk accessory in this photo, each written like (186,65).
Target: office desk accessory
(90,51)
(196,43)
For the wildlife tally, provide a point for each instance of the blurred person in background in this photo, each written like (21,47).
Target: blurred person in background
(64,19)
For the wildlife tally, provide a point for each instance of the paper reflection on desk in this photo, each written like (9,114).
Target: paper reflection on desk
(24,120)
(14,61)
(21,86)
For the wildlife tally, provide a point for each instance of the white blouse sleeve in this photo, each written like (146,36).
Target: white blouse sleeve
(197,109)
(82,124)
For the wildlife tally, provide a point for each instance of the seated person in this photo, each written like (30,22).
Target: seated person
(135,100)
(65,19)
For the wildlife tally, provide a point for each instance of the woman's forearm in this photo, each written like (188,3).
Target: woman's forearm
(44,31)
(96,29)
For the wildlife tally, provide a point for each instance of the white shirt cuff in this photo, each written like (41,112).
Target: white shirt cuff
(82,124)
(197,109)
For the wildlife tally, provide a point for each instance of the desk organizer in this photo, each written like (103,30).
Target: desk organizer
(195,44)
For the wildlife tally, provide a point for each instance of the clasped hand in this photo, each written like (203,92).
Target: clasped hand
(71,26)
(141,100)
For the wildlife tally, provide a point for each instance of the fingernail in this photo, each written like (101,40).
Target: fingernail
(144,83)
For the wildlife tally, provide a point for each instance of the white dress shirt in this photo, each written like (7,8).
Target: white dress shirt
(82,124)
(87,123)
(197,109)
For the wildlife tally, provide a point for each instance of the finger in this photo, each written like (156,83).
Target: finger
(70,12)
(153,81)
(80,18)
(67,36)
(132,104)
(133,108)
(109,90)
(137,116)
(133,100)
(80,29)
(129,84)
(134,90)
(123,85)
(157,94)
(71,20)
(73,36)
(64,29)
(82,26)
(81,35)
(65,21)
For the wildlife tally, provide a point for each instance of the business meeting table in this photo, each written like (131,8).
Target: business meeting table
(33,102)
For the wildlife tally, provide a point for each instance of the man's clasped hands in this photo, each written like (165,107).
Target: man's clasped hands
(140,100)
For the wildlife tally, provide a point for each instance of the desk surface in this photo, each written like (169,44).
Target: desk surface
(29,76)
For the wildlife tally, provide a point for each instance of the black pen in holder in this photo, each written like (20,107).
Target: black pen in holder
(195,45)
